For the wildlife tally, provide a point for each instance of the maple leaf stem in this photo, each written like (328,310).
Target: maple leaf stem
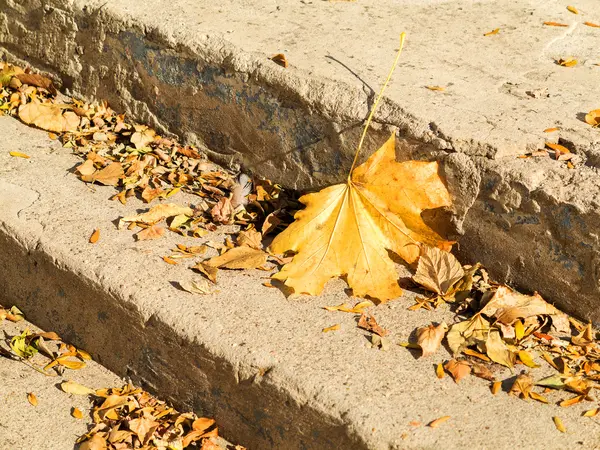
(364,133)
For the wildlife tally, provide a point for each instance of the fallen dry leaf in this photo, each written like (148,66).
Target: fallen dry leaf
(591,24)
(49,117)
(593,118)
(142,136)
(368,322)
(429,338)
(280,59)
(95,236)
(109,176)
(550,130)
(31,398)
(34,79)
(496,386)
(331,328)
(557,147)
(439,371)
(527,359)
(467,333)
(556,24)
(209,271)
(522,386)
(150,233)
(437,422)
(497,350)
(494,31)
(199,286)
(566,62)
(250,238)
(19,155)
(356,309)
(482,371)
(458,369)
(347,229)
(438,270)
(559,424)
(76,412)
(436,88)
(239,258)
(538,397)
(591,412)
(71,387)
(572,9)
(159,212)
(169,260)
(507,306)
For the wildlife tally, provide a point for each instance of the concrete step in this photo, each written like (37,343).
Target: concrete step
(247,356)
(202,70)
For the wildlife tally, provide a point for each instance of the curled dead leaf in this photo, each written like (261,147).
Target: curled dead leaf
(522,386)
(71,387)
(95,236)
(150,233)
(239,258)
(593,118)
(368,322)
(494,31)
(429,338)
(109,176)
(458,369)
(438,270)
(19,155)
(280,59)
(49,117)
(32,399)
(437,422)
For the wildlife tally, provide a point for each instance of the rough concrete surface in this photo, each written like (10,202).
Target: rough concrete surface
(250,357)
(49,425)
(200,69)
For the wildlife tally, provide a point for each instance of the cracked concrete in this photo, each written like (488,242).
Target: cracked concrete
(250,357)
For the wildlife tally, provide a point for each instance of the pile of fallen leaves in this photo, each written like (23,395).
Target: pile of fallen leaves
(138,162)
(502,327)
(131,418)
(124,418)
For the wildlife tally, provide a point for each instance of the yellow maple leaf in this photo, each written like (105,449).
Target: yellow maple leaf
(347,229)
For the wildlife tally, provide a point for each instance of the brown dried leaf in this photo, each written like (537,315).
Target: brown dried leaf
(368,322)
(280,59)
(522,386)
(467,333)
(438,270)
(239,258)
(250,238)
(209,271)
(429,338)
(142,137)
(482,371)
(458,369)
(49,117)
(109,176)
(507,306)
(497,350)
(71,387)
(143,427)
(593,118)
(34,79)
(152,232)
(437,422)
(160,212)
(222,212)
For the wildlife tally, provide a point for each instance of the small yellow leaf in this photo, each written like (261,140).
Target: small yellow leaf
(557,147)
(591,412)
(436,88)
(429,338)
(555,24)
(559,424)
(494,31)
(32,398)
(71,387)
(573,9)
(95,236)
(527,359)
(239,258)
(76,412)
(476,354)
(572,401)
(519,330)
(331,328)
(169,260)
(496,385)
(540,398)
(437,422)
(591,24)
(439,371)
(19,155)
(550,130)
(70,364)
(566,62)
